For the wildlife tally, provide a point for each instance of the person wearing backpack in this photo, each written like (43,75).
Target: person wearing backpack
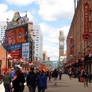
(31,80)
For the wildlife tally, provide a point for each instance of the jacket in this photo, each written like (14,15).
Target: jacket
(42,81)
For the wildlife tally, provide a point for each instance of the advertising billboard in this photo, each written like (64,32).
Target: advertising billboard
(20,35)
(16,35)
(10,37)
(16,53)
(25,51)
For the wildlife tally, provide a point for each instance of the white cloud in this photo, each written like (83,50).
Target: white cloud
(52,10)
(52,52)
(3,7)
(20,2)
(50,33)
(51,36)
(5,13)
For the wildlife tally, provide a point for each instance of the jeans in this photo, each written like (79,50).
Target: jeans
(7,87)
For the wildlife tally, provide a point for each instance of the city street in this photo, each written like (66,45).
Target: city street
(66,85)
(40,38)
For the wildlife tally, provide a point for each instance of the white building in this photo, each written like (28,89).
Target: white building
(38,42)
(2,31)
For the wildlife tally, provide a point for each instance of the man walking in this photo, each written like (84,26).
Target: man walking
(31,80)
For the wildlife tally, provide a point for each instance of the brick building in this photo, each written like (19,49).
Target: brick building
(2,59)
(79,39)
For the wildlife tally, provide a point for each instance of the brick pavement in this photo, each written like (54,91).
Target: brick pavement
(66,85)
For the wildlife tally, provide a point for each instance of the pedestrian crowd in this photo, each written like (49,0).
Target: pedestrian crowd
(82,75)
(14,81)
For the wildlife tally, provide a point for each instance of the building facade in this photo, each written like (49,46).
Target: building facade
(79,39)
(2,31)
(18,40)
(45,57)
(61,44)
(3,61)
(38,42)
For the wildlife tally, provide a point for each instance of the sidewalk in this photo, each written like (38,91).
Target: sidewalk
(65,85)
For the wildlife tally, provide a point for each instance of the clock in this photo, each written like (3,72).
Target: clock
(61,43)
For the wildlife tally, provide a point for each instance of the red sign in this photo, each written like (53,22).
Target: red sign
(16,36)
(71,43)
(20,35)
(16,54)
(86,18)
(10,37)
(86,36)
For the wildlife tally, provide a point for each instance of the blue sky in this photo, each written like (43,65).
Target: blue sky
(51,15)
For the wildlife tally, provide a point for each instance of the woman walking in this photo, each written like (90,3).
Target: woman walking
(42,81)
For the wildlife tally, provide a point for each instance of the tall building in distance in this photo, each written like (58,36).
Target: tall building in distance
(61,44)
(45,57)
(38,39)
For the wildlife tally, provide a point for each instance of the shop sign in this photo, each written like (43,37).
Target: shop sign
(18,46)
(86,18)
(25,51)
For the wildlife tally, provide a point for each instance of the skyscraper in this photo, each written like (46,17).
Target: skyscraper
(61,44)
(38,39)
(2,31)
